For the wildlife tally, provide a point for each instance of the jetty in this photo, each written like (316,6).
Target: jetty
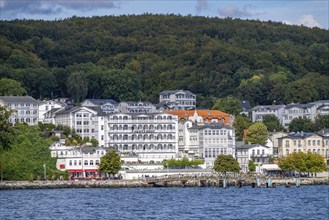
(163,182)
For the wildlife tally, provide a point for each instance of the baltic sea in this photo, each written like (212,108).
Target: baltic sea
(307,202)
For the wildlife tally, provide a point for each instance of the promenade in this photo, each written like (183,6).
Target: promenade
(159,182)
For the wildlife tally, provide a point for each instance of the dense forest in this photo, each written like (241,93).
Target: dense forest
(135,57)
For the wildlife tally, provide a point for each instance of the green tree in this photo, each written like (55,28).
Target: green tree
(303,162)
(28,152)
(322,121)
(6,129)
(257,133)
(240,124)
(110,163)
(183,163)
(94,142)
(251,166)
(226,163)
(272,123)
(301,124)
(77,86)
(229,105)
(10,87)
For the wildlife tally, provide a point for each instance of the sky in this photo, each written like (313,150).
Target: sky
(310,13)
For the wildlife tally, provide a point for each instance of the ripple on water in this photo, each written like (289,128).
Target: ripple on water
(309,202)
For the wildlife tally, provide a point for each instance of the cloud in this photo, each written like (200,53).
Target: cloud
(16,7)
(309,20)
(202,5)
(233,11)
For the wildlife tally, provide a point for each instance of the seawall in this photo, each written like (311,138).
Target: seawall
(206,182)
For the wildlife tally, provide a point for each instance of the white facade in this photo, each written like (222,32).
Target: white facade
(106,105)
(298,111)
(80,162)
(153,137)
(180,99)
(259,154)
(84,120)
(46,106)
(216,140)
(188,140)
(136,107)
(259,111)
(25,109)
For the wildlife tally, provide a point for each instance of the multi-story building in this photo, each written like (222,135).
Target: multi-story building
(201,131)
(201,117)
(87,121)
(303,142)
(79,162)
(259,154)
(152,136)
(106,105)
(178,99)
(136,107)
(46,106)
(259,111)
(25,109)
(216,139)
(274,138)
(298,111)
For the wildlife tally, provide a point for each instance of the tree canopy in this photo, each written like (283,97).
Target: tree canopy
(6,130)
(182,163)
(28,152)
(226,163)
(240,124)
(110,163)
(301,124)
(303,162)
(257,133)
(272,123)
(137,56)
(229,105)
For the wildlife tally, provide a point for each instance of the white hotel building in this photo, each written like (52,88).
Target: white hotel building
(153,136)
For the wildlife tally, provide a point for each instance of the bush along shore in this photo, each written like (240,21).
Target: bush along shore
(153,182)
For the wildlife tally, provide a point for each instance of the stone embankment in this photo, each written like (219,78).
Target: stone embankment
(210,182)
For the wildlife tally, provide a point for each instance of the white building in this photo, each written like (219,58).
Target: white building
(153,137)
(45,106)
(298,111)
(106,105)
(259,111)
(136,107)
(178,99)
(87,121)
(79,162)
(216,139)
(25,109)
(259,154)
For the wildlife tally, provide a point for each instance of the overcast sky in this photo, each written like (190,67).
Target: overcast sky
(309,13)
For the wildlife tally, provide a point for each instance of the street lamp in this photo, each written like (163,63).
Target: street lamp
(44,171)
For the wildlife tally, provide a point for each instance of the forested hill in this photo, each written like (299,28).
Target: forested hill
(136,57)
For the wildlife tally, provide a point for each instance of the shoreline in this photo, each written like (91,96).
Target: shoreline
(145,183)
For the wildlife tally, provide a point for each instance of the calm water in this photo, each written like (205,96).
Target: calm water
(307,202)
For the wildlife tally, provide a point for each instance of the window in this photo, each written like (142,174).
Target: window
(318,142)
(80,162)
(91,162)
(70,162)
(79,123)
(102,127)
(86,123)
(97,162)
(86,162)
(263,152)
(75,162)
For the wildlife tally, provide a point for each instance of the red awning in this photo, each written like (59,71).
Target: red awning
(75,171)
(91,170)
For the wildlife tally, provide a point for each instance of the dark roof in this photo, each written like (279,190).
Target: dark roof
(72,109)
(248,146)
(24,99)
(298,135)
(304,106)
(245,104)
(323,106)
(268,107)
(215,125)
(166,92)
(102,101)
(324,132)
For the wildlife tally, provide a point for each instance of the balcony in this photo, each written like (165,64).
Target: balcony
(260,155)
